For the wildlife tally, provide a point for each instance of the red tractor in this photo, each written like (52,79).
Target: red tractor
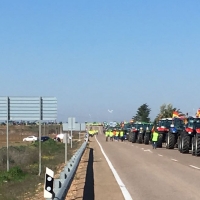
(190,137)
(163,129)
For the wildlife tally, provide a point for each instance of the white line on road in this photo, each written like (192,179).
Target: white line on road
(148,150)
(194,167)
(160,155)
(142,148)
(125,192)
(174,160)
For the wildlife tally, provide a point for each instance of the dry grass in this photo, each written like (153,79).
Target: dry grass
(26,158)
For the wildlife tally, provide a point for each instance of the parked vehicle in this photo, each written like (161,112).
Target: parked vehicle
(147,133)
(190,137)
(30,139)
(126,128)
(175,130)
(163,129)
(140,133)
(133,135)
(45,138)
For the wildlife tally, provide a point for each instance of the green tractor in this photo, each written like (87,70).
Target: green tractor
(126,130)
(144,133)
(133,132)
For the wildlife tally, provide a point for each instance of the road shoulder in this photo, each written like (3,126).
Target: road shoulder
(94,179)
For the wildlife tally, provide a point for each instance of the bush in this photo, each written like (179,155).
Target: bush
(15,174)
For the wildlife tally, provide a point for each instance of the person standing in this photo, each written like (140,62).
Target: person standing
(111,135)
(155,139)
(117,135)
(107,135)
(114,133)
(121,134)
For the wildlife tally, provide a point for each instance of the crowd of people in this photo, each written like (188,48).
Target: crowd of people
(118,135)
(114,135)
(93,132)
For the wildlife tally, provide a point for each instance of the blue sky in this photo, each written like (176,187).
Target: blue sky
(102,54)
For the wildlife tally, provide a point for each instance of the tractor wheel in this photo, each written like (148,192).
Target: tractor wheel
(170,141)
(146,138)
(140,138)
(134,137)
(130,138)
(180,144)
(197,149)
(193,145)
(185,143)
(160,140)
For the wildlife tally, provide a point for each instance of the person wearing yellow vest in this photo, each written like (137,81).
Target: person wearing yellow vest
(111,135)
(121,134)
(107,135)
(117,135)
(93,133)
(90,133)
(154,139)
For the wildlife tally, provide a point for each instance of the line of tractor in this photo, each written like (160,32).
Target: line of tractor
(183,134)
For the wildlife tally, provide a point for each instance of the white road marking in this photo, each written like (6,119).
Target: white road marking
(160,155)
(174,160)
(142,148)
(148,150)
(125,192)
(194,167)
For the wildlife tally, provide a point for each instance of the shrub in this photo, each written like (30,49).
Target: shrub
(14,174)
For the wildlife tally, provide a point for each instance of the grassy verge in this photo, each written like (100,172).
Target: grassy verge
(23,175)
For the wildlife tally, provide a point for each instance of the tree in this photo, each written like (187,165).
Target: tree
(142,113)
(166,111)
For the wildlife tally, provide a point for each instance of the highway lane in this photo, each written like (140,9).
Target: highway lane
(154,174)
(172,154)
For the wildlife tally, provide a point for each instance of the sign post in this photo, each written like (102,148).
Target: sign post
(79,134)
(66,138)
(71,126)
(40,134)
(7,139)
(29,109)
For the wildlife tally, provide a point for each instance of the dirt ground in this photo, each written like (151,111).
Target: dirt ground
(39,193)
(17,133)
(94,179)
(77,187)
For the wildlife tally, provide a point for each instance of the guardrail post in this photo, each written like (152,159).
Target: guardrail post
(62,185)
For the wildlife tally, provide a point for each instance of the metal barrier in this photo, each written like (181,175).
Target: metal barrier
(62,185)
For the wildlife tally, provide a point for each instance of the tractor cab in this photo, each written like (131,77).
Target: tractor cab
(197,126)
(164,125)
(176,125)
(191,126)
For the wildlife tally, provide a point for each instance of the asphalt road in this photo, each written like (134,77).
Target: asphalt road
(151,174)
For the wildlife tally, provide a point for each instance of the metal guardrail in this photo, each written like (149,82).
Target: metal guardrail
(62,185)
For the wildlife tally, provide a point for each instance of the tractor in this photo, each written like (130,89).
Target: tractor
(175,130)
(163,129)
(148,133)
(133,134)
(144,133)
(190,137)
(126,128)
